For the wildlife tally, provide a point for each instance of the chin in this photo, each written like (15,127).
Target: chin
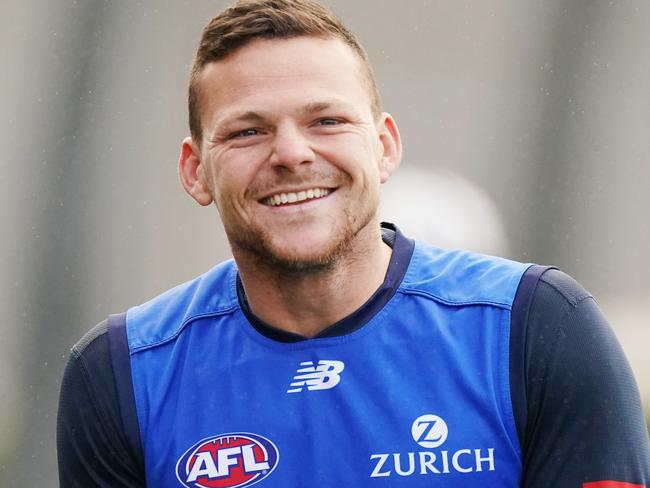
(300,259)
(318,248)
(294,256)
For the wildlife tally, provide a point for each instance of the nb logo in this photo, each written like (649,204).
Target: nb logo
(429,431)
(322,377)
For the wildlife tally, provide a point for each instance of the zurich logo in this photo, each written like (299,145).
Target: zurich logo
(429,431)
(227,461)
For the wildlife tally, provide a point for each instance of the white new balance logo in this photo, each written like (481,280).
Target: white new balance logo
(321,377)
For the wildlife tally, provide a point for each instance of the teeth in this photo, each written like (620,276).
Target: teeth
(282,198)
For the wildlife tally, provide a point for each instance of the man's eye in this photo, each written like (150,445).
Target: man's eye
(329,122)
(245,133)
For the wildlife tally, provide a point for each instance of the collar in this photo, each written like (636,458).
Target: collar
(399,261)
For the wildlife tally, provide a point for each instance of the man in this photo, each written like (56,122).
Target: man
(334,351)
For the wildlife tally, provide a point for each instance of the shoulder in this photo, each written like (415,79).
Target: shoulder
(563,287)
(561,312)
(567,333)
(89,360)
(582,401)
(544,295)
(163,317)
(459,277)
(93,448)
(92,339)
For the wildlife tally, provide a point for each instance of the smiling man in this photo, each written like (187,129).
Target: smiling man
(335,351)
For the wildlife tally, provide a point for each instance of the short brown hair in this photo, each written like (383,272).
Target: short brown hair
(248,20)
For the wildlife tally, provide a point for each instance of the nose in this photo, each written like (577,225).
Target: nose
(291,148)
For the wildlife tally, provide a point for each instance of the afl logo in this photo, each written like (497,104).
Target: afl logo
(227,461)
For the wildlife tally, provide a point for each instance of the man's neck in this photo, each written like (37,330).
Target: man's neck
(308,303)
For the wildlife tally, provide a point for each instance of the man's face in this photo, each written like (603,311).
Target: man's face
(291,152)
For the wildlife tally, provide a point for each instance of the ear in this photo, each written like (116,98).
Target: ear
(191,172)
(390,147)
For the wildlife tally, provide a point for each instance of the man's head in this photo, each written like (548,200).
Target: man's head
(249,20)
(291,147)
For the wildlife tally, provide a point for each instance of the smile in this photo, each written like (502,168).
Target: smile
(296,197)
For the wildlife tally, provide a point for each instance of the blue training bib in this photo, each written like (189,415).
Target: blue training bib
(419,396)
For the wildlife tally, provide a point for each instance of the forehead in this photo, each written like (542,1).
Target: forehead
(269,74)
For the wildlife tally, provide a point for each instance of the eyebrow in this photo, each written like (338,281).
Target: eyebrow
(315,107)
(245,116)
